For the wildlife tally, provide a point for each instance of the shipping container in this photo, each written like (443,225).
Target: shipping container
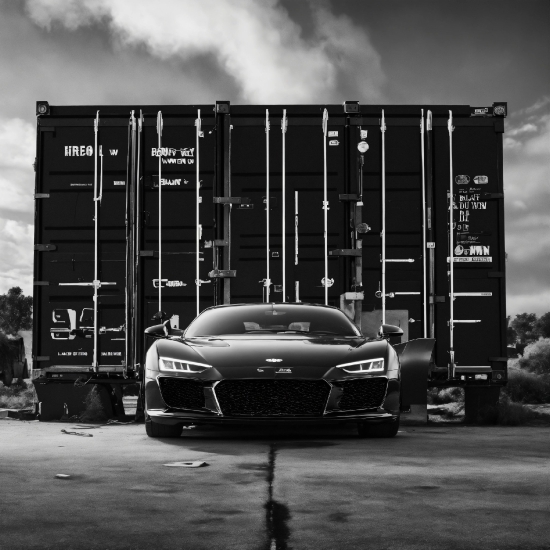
(146,213)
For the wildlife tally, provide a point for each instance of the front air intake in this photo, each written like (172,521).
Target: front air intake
(182,393)
(366,393)
(272,398)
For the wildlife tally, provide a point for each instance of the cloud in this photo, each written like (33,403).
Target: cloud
(16,251)
(527,204)
(522,129)
(537,106)
(17,151)
(256,43)
(538,303)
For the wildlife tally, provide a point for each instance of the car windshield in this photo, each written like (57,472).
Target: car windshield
(272,318)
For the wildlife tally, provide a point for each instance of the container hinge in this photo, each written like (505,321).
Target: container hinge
(437,299)
(354,295)
(45,247)
(472,369)
(493,195)
(346,252)
(41,283)
(496,275)
(222,273)
(351,106)
(41,357)
(498,359)
(222,107)
(150,253)
(352,197)
(220,242)
(41,195)
(231,200)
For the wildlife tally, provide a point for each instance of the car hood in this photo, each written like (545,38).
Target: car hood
(255,351)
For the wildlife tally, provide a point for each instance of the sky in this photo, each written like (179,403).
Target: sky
(474,52)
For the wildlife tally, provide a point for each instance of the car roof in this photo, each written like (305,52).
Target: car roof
(297,304)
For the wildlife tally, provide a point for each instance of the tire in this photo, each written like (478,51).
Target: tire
(386,429)
(154,429)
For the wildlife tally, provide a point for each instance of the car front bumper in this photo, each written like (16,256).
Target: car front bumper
(212,413)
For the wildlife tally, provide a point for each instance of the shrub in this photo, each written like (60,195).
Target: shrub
(527,387)
(536,357)
(17,396)
(507,413)
(455,409)
(9,351)
(445,395)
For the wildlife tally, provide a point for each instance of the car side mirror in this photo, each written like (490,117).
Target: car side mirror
(159,331)
(389,331)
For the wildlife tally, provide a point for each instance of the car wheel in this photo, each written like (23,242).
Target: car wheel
(386,429)
(154,429)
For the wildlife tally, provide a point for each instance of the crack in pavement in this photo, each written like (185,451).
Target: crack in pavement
(276,513)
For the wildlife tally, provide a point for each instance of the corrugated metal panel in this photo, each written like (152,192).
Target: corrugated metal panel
(233,171)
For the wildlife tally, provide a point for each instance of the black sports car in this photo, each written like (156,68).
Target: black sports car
(255,363)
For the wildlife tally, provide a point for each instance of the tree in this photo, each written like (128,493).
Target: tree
(524,325)
(15,311)
(542,326)
(536,357)
(511,334)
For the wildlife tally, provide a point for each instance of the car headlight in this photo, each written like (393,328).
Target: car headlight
(369,365)
(178,365)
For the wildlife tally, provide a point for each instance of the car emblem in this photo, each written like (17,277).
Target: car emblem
(273,360)
(284,371)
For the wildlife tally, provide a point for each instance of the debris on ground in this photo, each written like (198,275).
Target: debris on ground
(196,464)
(62,476)
(86,427)
(77,433)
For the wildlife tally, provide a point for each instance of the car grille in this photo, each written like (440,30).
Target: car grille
(367,393)
(276,398)
(180,393)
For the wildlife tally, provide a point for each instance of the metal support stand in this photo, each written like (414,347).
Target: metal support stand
(130,286)
(358,260)
(430,223)
(325,201)
(267,279)
(296,283)
(96,243)
(383,233)
(137,246)
(450,128)
(198,232)
(159,133)
(226,254)
(284,126)
(424,290)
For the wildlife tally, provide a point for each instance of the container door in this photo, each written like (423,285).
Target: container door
(169,215)
(65,243)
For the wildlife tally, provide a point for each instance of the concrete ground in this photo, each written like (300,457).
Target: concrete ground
(451,487)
